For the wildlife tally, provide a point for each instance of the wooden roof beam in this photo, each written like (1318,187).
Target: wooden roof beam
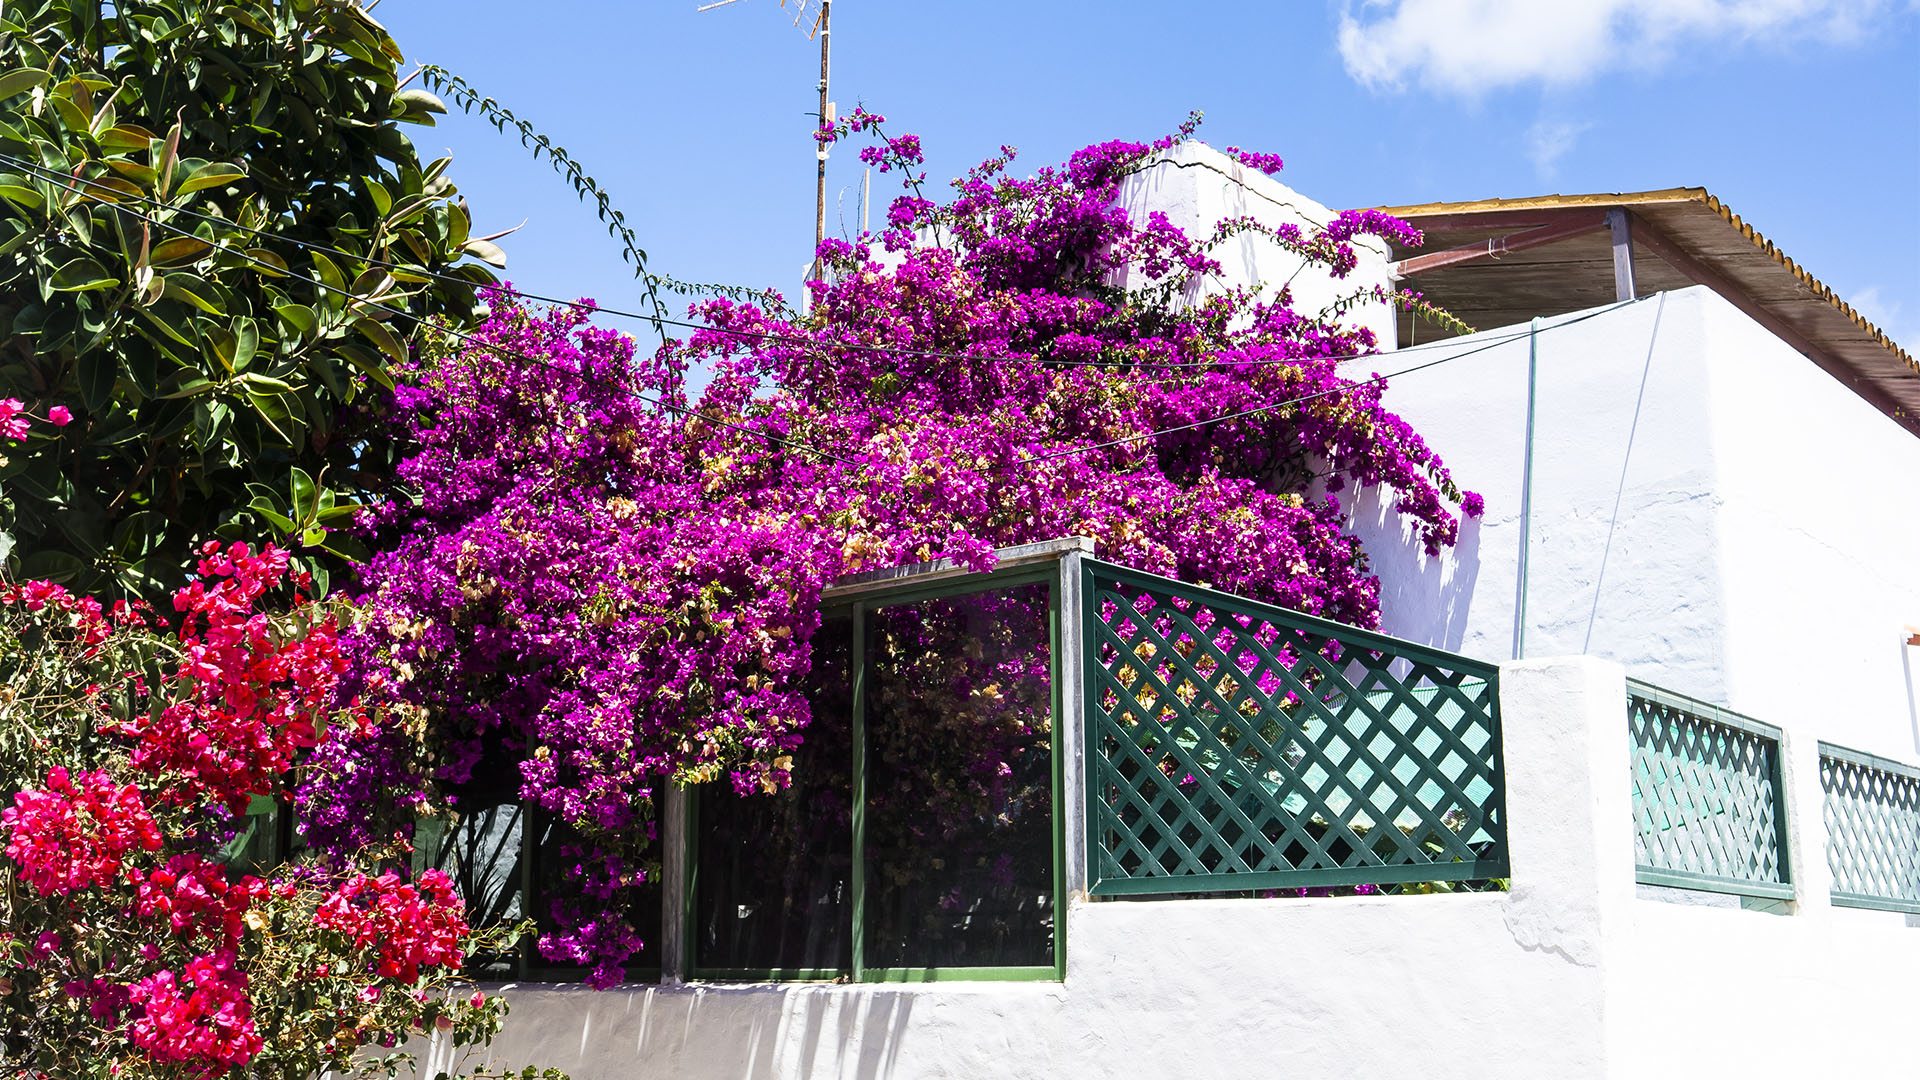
(1568,225)
(1520,218)
(1700,273)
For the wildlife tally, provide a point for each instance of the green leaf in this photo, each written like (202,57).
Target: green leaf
(24,197)
(298,316)
(133,535)
(381,336)
(126,137)
(188,289)
(268,383)
(344,545)
(372,284)
(169,154)
(51,564)
(382,201)
(213,174)
(142,175)
(418,101)
(193,387)
(111,189)
(301,495)
(179,251)
(246,334)
(330,275)
(365,361)
(71,114)
(21,81)
(266,262)
(487,252)
(97,369)
(82,275)
(222,343)
(458,223)
(167,328)
(321,579)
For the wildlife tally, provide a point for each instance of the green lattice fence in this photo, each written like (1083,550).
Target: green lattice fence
(1707,808)
(1232,745)
(1872,811)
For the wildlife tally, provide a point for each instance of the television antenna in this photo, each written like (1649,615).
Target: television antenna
(820,28)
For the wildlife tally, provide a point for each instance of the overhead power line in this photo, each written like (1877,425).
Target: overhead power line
(477,342)
(1242,414)
(119,197)
(472,339)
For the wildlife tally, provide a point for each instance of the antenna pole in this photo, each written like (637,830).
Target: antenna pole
(820,189)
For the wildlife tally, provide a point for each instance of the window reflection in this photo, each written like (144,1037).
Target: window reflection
(959,823)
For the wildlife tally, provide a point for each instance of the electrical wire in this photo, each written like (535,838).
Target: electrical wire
(474,340)
(794,339)
(773,439)
(1156,433)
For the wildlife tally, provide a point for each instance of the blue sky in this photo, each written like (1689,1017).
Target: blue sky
(1802,115)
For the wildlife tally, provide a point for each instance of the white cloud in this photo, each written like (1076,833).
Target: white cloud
(1468,47)
(1548,141)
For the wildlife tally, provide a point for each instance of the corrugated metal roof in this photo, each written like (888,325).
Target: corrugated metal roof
(1683,236)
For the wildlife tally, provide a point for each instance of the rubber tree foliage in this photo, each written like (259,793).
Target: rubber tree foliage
(161,164)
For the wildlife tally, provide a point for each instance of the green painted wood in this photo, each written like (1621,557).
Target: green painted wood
(857,880)
(1872,811)
(912,591)
(1057,738)
(959,974)
(1235,745)
(1677,879)
(1707,796)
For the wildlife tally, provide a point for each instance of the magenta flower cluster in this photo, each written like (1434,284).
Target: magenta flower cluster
(616,581)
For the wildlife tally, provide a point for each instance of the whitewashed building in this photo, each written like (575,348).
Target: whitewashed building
(1650,725)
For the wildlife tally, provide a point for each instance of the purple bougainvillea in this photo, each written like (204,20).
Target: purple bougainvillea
(616,581)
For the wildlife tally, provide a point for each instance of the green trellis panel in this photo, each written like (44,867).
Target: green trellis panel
(1872,811)
(1234,745)
(1707,805)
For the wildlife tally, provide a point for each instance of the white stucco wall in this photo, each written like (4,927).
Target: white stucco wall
(1764,552)
(1717,992)
(1471,986)
(1197,186)
(1569,975)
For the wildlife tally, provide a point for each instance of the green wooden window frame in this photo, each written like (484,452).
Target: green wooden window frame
(1871,806)
(908,592)
(1709,809)
(1338,773)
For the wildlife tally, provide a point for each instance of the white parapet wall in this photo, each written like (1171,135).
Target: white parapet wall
(1568,975)
(1708,508)
(1196,187)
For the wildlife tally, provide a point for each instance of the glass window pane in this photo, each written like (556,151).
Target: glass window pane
(959,824)
(480,850)
(772,871)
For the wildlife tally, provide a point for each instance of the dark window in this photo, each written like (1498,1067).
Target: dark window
(959,829)
(952,744)
(773,871)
